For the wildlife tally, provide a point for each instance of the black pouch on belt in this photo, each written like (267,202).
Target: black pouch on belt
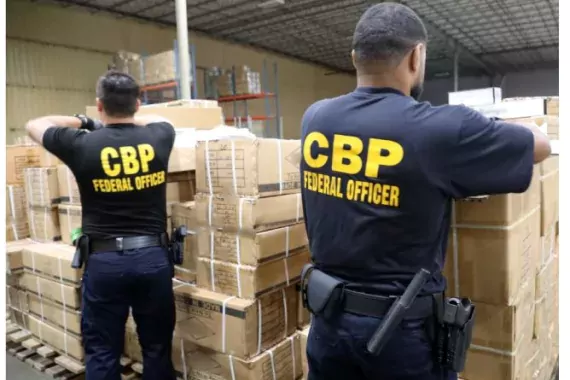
(322,294)
(455,321)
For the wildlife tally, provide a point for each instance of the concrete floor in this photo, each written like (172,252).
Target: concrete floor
(17,370)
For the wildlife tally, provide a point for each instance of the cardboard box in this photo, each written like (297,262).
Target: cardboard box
(179,117)
(251,249)
(303,315)
(14,252)
(68,344)
(17,298)
(248,215)
(185,214)
(549,193)
(69,220)
(247,167)
(63,294)
(180,191)
(249,282)
(52,261)
(478,97)
(20,157)
(17,230)
(547,283)
(517,108)
(68,190)
(551,103)
(547,124)
(304,336)
(64,318)
(281,362)
(548,247)
(242,328)
(41,186)
(493,262)
(16,204)
(502,327)
(44,224)
(182,158)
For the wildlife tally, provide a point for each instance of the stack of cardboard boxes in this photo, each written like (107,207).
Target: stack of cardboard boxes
(240,80)
(42,198)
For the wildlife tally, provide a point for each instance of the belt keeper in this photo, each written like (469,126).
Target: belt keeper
(119,242)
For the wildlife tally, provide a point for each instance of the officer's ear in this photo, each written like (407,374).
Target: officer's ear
(138,105)
(99,104)
(417,58)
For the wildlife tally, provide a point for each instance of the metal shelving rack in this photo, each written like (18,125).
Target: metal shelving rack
(270,118)
(158,90)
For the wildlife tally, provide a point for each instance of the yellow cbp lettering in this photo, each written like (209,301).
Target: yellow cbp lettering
(129,157)
(108,153)
(146,154)
(375,158)
(347,148)
(322,142)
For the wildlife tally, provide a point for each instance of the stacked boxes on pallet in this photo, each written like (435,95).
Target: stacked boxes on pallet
(238,81)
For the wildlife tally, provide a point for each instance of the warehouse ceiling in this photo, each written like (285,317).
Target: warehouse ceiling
(491,36)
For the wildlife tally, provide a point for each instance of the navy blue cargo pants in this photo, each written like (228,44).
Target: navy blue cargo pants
(113,282)
(336,350)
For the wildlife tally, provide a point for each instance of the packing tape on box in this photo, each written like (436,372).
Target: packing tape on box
(64,308)
(455,242)
(12,202)
(285,311)
(293,359)
(183,357)
(208,168)
(272,359)
(259,328)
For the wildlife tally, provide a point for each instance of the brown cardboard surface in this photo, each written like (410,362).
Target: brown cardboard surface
(63,294)
(19,157)
(68,344)
(281,362)
(549,194)
(502,327)
(44,224)
(500,210)
(14,251)
(238,327)
(51,260)
(548,246)
(549,122)
(179,192)
(182,158)
(68,190)
(493,261)
(246,281)
(251,249)
(64,318)
(69,219)
(16,205)
(17,231)
(547,283)
(179,117)
(17,298)
(185,275)
(185,214)
(41,186)
(303,315)
(248,214)
(13,279)
(304,335)
(247,167)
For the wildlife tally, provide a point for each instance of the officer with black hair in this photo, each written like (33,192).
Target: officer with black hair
(379,171)
(120,165)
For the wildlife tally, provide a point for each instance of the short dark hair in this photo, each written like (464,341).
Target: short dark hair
(119,93)
(386,32)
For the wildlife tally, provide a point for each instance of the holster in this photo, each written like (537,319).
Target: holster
(453,329)
(322,294)
(81,252)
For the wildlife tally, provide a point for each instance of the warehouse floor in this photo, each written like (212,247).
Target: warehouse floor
(17,370)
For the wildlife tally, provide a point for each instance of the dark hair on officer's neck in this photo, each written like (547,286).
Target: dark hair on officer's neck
(384,34)
(119,93)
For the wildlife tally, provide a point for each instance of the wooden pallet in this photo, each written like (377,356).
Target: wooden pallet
(41,357)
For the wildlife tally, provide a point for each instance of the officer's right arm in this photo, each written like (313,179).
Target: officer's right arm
(491,157)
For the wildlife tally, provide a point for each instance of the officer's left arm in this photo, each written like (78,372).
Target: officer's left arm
(57,134)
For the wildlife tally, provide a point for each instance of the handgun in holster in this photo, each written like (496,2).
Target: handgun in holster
(81,252)
(176,244)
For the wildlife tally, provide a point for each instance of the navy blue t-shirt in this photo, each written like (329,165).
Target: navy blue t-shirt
(379,170)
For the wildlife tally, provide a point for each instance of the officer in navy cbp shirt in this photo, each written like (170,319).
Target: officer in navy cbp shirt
(379,171)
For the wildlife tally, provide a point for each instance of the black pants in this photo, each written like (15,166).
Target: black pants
(113,282)
(336,350)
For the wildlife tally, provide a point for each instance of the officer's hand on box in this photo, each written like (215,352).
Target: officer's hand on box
(89,124)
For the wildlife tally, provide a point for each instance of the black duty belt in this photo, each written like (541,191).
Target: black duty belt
(127,243)
(377,306)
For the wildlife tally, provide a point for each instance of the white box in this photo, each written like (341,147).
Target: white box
(478,97)
(514,109)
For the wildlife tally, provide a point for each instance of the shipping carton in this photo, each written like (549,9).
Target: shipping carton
(281,362)
(180,191)
(52,261)
(17,230)
(250,282)
(547,124)
(69,220)
(66,319)
(304,336)
(68,190)
(16,204)
(242,328)
(14,252)
(68,344)
(44,224)
(182,158)
(549,193)
(478,97)
(20,157)
(488,263)
(247,167)
(17,298)
(58,292)
(185,214)
(248,215)
(251,249)
(41,186)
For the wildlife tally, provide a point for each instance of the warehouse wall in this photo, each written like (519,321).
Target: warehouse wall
(55,54)
(526,83)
